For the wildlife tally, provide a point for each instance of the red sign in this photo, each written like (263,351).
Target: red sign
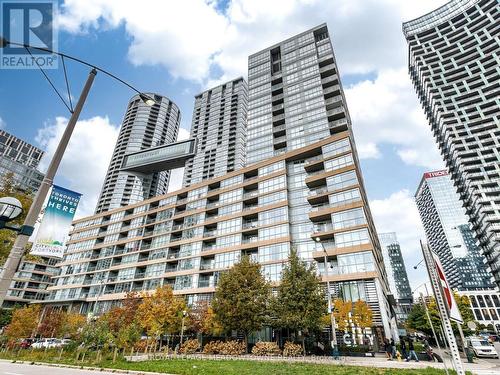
(448,295)
(443,172)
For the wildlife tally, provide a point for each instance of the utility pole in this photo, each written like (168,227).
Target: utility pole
(432,328)
(443,310)
(19,246)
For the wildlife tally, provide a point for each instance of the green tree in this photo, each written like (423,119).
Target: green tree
(8,188)
(300,302)
(463,304)
(417,318)
(241,298)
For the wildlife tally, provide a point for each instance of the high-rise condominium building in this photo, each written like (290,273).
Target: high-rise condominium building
(187,237)
(143,127)
(448,233)
(219,126)
(396,274)
(453,61)
(21,159)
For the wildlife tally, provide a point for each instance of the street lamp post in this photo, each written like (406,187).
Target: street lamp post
(330,305)
(184,313)
(17,250)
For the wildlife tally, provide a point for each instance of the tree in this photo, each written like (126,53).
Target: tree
(52,323)
(417,318)
(341,312)
(463,304)
(202,320)
(161,312)
(72,325)
(124,315)
(362,316)
(241,298)
(24,322)
(300,303)
(8,188)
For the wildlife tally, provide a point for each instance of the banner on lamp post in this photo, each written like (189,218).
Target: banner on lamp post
(53,230)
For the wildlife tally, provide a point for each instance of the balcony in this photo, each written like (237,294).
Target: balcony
(318,191)
(212,204)
(209,233)
(252,239)
(207,266)
(250,224)
(250,207)
(250,194)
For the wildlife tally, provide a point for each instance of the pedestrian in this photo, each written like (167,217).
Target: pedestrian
(402,344)
(388,349)
(411,350)
(393,348)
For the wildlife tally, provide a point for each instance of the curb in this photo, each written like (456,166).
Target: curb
(100,369)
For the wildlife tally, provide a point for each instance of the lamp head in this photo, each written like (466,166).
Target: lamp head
(147,99)
(3,42)
(317,239)
(10,208)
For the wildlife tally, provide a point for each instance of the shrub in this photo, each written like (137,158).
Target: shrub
(233,347)
(190,346)
(292,350)
(213,347)
(227,348)
(266,348)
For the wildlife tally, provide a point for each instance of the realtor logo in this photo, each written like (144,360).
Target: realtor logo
(28,23)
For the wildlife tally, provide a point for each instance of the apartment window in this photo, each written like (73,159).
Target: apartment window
(229,226)
(231,196)
(342,180)
(272,272)
(336,148)
(349,218)
(272,184)
(226,260)
(272,198)
(183,282)
(154,270)
(356,262)
(337,163)
(273,232)
(271,168)
(352,238)
(274,252)
(344,197)
(273,216)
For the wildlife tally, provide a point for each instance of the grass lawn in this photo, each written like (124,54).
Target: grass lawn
(219,367)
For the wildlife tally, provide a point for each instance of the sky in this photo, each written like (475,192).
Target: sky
(180,48)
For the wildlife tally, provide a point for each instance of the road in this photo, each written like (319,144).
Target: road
(8,368)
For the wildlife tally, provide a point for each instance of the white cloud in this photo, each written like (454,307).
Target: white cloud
(183,35)
(86,159)
(196,41)
(398,213)
(2,123)
(386,110)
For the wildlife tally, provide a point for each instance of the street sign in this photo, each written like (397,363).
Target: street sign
(472,325)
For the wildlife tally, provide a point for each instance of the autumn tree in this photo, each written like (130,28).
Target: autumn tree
(161,312)
(241,298)
(300,303)
(51,323)
(72,325)
(341,311)
(9,188)
(24,322)
(362,315)
(202,320)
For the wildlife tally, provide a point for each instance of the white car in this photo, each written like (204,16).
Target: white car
(47,343)
(481,347)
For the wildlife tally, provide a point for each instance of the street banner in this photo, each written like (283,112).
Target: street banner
(51,237)
(448,295)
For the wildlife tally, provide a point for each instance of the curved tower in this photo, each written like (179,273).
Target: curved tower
(454,64)
(143,127)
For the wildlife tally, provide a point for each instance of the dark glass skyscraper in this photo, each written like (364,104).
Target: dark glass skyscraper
(448,233)
(396,274)
(453,62)
(143,127)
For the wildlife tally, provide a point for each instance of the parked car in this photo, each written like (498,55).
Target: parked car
(47,343)
(26,343)
(481,347)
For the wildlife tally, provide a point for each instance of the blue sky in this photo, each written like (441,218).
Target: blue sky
(178,49)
